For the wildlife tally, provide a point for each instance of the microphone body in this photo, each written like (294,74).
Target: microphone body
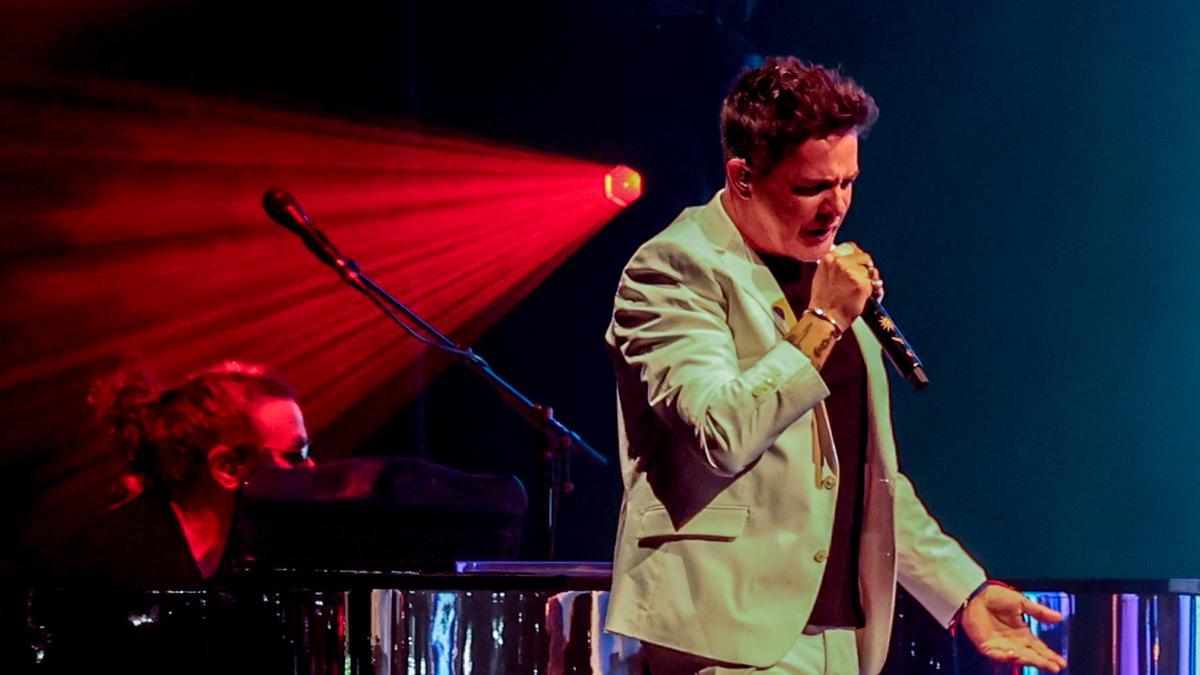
(283,208)
(898,351)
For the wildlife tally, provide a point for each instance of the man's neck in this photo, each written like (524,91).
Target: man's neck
(739,215)
(729,204)
(206,524)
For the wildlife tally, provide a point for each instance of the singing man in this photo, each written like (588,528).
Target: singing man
(765,521)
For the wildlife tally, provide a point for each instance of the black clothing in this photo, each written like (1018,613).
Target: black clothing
(138,545)
(838,602)
(125,595)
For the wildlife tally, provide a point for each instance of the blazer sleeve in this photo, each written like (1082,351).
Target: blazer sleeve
(670,334)
(930,564)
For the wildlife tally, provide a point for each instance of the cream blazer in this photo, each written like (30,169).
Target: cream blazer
(730,470)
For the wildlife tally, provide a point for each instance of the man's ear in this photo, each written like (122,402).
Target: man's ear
(229,467)
(737,177)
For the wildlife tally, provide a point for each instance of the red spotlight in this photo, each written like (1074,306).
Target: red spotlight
(145,237)
(622,185)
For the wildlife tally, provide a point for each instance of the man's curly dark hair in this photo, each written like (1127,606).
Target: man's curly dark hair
(774,108)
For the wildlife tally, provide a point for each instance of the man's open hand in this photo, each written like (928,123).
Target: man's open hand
(995,622)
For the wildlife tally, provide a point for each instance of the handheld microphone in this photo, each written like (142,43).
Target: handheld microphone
(283,208)
(898,351)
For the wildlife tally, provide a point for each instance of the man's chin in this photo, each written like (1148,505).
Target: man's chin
(811,252)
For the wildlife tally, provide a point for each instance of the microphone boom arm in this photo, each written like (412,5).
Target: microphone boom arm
(561,441)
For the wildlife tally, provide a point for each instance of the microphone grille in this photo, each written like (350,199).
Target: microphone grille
(283,208)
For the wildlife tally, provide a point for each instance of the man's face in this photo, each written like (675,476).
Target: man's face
(797,209)
(284,439)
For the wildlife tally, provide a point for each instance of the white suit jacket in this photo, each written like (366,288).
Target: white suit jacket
(729,465)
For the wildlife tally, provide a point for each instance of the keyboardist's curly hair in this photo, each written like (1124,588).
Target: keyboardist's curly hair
(774,108)
(165,433)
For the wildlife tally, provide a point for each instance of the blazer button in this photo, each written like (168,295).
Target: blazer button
(758,390)
(821,556)
(829,482)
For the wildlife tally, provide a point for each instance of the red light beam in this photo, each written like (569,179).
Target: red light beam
(137,229)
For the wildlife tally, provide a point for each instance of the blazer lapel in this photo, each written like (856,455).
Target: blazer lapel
(879,424)
(745,265)
(767,292)
(824,450)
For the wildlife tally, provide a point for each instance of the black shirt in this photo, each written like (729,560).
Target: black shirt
(126,596)
(138,545)
(845,374)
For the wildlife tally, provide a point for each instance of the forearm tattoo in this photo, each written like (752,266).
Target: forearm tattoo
(824,344)
(804,331)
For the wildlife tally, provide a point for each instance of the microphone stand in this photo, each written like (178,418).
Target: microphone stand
(561,442)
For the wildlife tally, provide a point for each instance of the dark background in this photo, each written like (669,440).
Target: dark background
(1029,192)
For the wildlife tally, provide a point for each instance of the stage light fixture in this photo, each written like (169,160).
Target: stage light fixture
(622,185)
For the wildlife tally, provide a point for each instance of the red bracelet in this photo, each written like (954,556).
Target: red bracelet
(982,587)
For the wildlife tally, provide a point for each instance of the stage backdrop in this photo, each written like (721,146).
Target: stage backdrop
(1027,193)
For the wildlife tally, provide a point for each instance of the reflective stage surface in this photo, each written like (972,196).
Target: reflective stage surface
(467,622)
(1110,627)
(541,619)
